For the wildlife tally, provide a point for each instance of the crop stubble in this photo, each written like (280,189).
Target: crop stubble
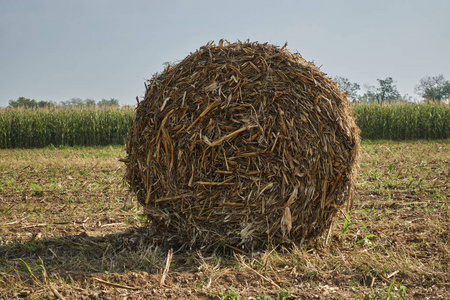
(78,231)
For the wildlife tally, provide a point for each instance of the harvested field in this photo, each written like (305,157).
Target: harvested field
(69,230)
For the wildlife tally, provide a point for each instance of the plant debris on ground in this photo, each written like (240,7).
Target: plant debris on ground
(69,230)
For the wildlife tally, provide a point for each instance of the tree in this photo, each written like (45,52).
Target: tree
(23,102)
(433,88)
(89,102)
(371,93)
(73,102)
(386,91)
(29,103)
(346,86)
(46,104)
(110,102)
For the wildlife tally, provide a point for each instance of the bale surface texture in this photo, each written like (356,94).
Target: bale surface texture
(242,145)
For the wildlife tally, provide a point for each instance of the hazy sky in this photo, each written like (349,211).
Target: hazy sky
(61,49)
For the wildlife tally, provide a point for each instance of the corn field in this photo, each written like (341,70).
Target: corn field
(403,121)
(96,126)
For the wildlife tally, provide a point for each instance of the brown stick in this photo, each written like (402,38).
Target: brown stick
(57,294)
(211,106)
(115,284)
(166,269)
(229,136)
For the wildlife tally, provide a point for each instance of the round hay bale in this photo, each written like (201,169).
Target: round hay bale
(242,145)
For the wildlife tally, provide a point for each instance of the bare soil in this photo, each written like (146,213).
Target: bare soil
(70,230)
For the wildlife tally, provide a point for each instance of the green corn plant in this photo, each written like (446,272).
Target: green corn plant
(96,126)
(74,126)
(403,121)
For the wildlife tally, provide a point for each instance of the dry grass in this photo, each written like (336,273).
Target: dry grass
(69,230)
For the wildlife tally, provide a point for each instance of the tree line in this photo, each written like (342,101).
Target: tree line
(78,102)
(436,88)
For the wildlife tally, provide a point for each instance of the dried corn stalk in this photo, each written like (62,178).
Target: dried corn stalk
(242,145)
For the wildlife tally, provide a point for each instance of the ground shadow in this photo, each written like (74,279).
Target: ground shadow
(130,250)
(93,267)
